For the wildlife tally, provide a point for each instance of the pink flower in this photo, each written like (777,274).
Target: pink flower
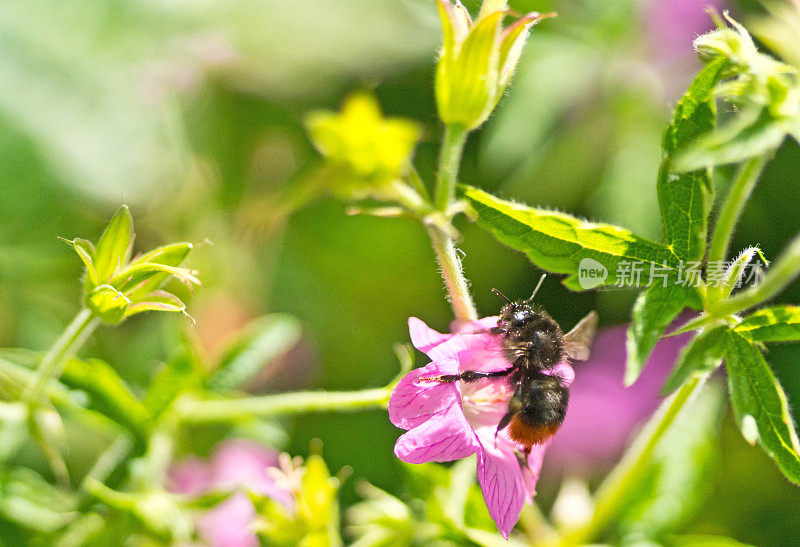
(235,464)
(449,421)
(588,440)
(671,26)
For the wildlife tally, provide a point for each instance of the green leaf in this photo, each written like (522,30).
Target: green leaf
(757,395)
(674,484)
(181,374)
(85,250)
(685,199)
(695,112)
(132,276)
(747,137)
(115,245)
(30,501)
(107,392)
(731,278)
(381,520)
(168,255)
(774,324)
(702,354)
(264,339)
(654,310)
(560,243)
(156,301)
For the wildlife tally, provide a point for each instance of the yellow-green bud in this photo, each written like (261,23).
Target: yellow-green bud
(477,59)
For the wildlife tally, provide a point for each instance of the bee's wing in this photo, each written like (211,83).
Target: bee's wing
(578,340)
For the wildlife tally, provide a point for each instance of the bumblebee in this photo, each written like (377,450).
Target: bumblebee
(533,343)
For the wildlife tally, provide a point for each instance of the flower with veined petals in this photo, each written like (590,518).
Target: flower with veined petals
(449,421)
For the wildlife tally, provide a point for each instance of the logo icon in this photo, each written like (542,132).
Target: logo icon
(591,273)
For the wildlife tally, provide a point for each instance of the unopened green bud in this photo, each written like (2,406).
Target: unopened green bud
(107,303)
(735,44)
(477,60)
(117,286)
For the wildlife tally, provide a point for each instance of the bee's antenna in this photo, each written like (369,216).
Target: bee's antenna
(539,284)
(501,295)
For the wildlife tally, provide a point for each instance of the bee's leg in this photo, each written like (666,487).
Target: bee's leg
(514,405)
(504,421)
(522,458)
(469,376)
(492,330)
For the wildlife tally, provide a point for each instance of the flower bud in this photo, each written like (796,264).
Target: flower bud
(735,44)
(477,60)
(117,286)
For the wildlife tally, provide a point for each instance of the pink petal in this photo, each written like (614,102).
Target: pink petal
(588,440)
(471,346)
(535,459)
(240,462)
(423,337)
(482,324)
(413,403)
(481,352)
(227,525)
(191,476)
(473,351)
(501,481)
(446,436)
(564,371)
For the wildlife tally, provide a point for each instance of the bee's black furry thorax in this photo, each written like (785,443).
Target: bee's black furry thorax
(531,338)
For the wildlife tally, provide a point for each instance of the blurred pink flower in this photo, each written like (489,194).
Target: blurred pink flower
(669,28)
(602,412)
(672,25)
(449,421)
(235,464)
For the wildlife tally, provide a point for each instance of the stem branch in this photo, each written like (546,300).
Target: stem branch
(783,271)
(450,267)
(449,160)
(224,410)
(65,347)
(449,263)
(730,212)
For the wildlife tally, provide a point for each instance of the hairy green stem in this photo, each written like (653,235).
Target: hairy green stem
(50,367)
(446,254)
(729,215)
(783,271)
(225,410)
(615,491)
(449,160)
(450,267)
(65,347)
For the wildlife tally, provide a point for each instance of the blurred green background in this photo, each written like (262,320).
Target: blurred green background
(191,112)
